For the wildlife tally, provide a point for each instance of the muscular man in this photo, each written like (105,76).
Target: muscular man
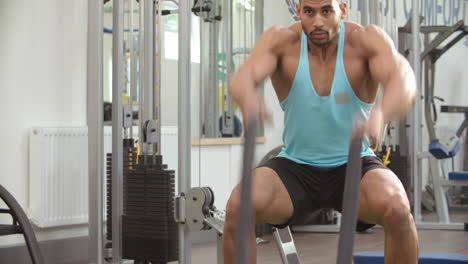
(326,74)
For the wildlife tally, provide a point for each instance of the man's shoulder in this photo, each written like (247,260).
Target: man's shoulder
(356,32)
(363,38)
(296,27)
(353,30)
(288,34)
(280,38)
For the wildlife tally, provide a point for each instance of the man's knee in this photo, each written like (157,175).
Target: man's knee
(384,200)
(232,208)
(397,211)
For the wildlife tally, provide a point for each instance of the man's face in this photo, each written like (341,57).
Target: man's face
(320,19)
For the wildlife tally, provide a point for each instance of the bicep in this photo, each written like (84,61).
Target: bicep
(388,67)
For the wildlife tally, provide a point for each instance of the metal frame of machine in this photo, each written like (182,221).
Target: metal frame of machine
(102,250)
(429,56)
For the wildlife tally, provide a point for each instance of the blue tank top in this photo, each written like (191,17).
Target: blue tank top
(317,129)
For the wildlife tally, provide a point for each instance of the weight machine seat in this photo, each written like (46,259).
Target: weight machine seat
(377,257)
(458,175)
(439,151)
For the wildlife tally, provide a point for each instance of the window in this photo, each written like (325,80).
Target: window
(171,35)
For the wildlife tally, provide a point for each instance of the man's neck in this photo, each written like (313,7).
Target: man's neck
(324,52)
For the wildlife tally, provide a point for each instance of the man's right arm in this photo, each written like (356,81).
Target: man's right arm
(260,65)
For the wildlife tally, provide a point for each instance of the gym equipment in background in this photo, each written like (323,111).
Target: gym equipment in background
(433,49)
(224,44)
(452,186)
(148,208)
(437,149)
(140,189)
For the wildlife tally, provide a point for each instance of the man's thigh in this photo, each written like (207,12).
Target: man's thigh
(379,188)
(294,188)
(270,198)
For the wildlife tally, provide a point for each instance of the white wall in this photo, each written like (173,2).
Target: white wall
(42,80)
(170,91)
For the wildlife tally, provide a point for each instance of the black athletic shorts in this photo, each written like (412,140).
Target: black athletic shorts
(312,188)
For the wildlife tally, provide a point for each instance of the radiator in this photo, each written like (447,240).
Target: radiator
(58,175)
(58,172)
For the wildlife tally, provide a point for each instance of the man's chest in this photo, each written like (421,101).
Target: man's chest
(323,72)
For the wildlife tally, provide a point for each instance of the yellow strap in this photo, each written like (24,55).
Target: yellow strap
(387,156)
(137,146)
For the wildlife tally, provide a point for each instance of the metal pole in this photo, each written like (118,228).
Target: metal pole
(374,12)
(429,75)
(184,133)
(365,12)
(228,113)
(202,74)
(147,69)
(259,4)
(203,71)
(117,125)
(134,59)
(258,19)
(465,160)
(211,124)
(141,66)
(416,128)
(131,62)
(157,71)
(245,29)
(95,133)
(228,40)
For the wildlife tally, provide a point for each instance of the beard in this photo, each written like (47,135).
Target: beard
(319,37)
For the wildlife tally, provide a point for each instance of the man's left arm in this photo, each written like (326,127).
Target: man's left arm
(389,68)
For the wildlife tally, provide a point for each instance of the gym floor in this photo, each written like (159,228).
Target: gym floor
(321,247)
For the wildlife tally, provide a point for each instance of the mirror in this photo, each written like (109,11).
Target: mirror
(223,34)
(131,63)
(228,31)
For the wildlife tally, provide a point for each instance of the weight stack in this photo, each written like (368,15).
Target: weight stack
(129,160)
(149,232)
